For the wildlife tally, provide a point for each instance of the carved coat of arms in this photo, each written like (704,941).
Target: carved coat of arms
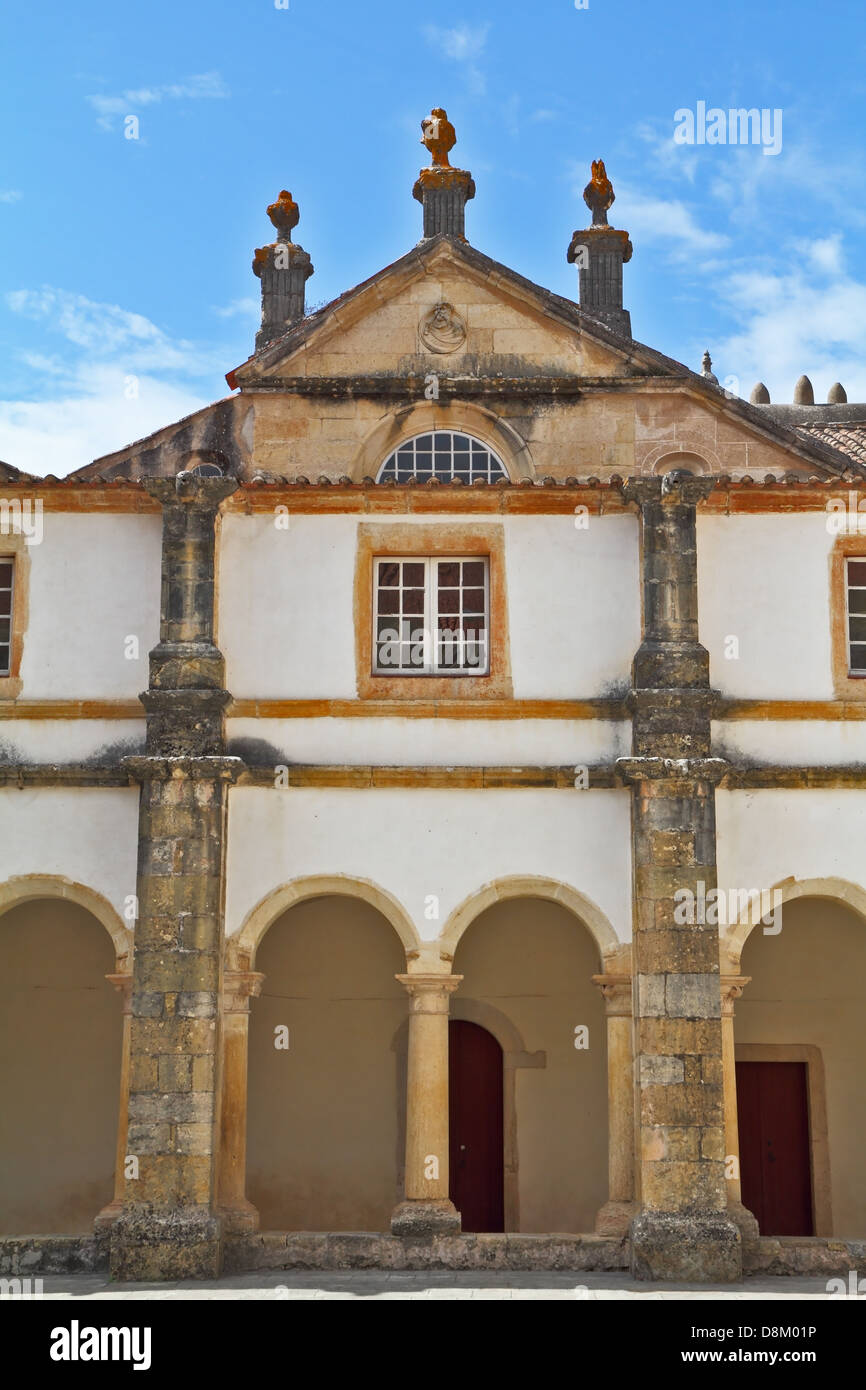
(442,329)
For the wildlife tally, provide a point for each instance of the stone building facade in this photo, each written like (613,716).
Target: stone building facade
(394,758)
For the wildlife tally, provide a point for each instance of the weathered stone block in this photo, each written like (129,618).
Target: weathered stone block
(698,1249)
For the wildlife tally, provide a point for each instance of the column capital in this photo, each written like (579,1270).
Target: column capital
(651,769)
(239,987)
(429,993)
(122,982)
(677,487)
(732,988)
(208,768)
(616,991)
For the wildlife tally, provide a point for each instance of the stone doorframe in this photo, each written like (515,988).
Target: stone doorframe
(819,1144)
(514,1056)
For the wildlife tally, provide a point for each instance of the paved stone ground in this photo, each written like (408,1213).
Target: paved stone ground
(437,1285)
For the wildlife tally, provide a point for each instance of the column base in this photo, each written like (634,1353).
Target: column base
(699,1249)
(745,1220)
(614,1218)
(105,1219)
(180,1245)
(420,1218)
(239,1219)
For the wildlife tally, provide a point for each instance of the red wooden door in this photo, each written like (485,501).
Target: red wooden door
(775,1164)
(476,1155)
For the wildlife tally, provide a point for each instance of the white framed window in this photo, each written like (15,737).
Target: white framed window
(855,601)
(431,615)
(7,582)
(442,454)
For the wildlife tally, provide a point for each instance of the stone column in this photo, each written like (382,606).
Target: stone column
(683,1230)
(238,1214)
(169,1228)
(123,984)
(443,194)
(732,988)
(614,1217)
(427,1208)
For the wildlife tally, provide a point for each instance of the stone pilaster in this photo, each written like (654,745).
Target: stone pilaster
(443,194)
(284,269)
(122,982)
(169,1228)
(237,1213)
(614,1217)
(427,1208)
(683,1229)
(600,254)
(732,989)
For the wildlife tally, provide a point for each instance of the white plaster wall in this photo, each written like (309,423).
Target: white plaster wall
(286,603)
(67,740)
(286,599)
(791,741)
(419,842)
(94,580)
(574,604)
(767,836)
(766,581)
(86,834)
(441,742)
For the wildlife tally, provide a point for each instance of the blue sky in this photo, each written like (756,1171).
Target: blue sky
(126,290)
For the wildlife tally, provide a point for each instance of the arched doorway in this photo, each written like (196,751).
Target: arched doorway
(61,1029)
(800,1099)
(476,1136)
(527,965)
(326,1086)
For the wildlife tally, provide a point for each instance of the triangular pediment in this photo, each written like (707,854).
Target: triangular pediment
(446,306)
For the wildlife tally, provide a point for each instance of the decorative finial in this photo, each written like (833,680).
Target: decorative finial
(804,393)
(438,136)
(283,268)
(707,367)
(598,194)
(760,395)
(284,214)
(837,395)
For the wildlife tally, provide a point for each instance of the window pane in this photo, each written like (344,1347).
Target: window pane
(857,600)
(473,600)
(857,571)
(449,573)
(389,573)
(389,600)
(5,601)
(448,623)
(473,572)
(413,601)
(857,629)
(449,600)
(5,625)
(858,657)
(5,574)
(413,575)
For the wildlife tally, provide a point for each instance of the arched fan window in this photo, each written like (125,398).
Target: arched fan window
(442,454)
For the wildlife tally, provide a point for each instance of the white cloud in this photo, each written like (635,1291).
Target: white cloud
(104,390)
(207,85)
(10,195)
(464,45)
(105,330)
(808,319)
(94,416)
(238,308)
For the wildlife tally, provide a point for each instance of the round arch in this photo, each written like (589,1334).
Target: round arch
(244,945)
(697,458)
(28,887)
(529,886)
(397,426)
(736,934)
